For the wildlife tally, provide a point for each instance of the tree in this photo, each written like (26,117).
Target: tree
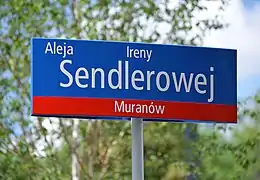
(238,157)
(28,145)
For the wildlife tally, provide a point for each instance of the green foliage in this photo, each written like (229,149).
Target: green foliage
(41,148)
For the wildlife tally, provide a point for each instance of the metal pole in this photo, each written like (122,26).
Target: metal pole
(137,149)
(75,168)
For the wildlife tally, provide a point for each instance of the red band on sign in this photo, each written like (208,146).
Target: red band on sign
(67,106)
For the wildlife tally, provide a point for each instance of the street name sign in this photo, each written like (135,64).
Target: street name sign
(123,80)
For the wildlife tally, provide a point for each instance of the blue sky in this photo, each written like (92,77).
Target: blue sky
(243,34)
(250,3)
(249,85)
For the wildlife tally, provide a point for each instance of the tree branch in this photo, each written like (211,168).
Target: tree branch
(76,19)
(49,144)
(72,149)
(91,151)
(104,163)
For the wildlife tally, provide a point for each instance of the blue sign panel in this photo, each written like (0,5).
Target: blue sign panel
(105,79)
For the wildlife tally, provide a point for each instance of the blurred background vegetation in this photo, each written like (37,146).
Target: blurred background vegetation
(40,148)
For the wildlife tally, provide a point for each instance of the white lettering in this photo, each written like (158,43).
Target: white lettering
(70,50)
(139,108)
(125,78)
(134,79)
(78,77)
(151,108)
(158,84)
(144,108)
(149,54)
(48,48)
(119,108)
(139,53)
(126,75)
(197,83)
(211,96)
(66,73)
(102,77)
(160,109)
(127,50)
(182,78)
(149,74)
(119,74)
(59,49)
(136,53)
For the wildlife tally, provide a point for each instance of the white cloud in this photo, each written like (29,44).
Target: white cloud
(242,34)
